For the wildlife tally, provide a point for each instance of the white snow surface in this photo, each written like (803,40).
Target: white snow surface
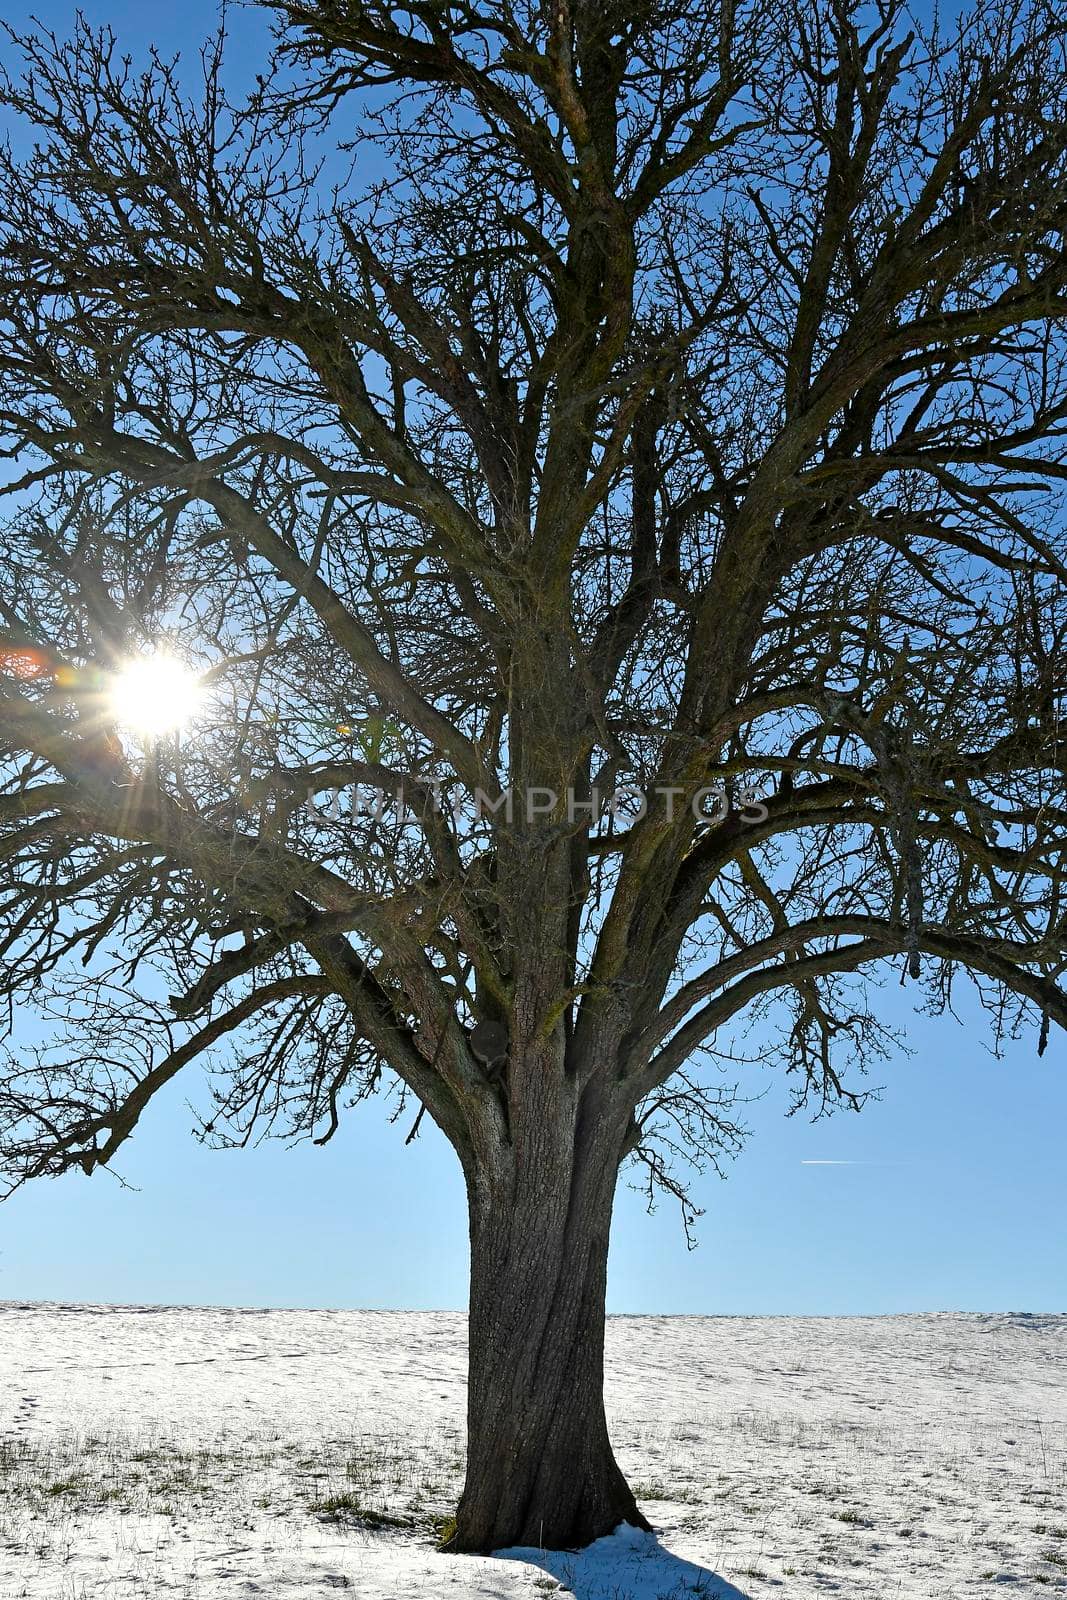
(214,1454)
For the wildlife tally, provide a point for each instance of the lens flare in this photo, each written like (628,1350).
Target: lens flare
(24,663)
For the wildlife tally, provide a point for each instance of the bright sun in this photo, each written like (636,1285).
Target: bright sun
(154,695)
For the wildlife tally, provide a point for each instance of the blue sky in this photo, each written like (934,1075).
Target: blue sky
(952,1199)
(955,1202)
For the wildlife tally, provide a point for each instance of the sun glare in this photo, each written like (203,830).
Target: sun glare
(154,695)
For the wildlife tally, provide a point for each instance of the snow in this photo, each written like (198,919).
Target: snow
(214,1454)
(629,1562)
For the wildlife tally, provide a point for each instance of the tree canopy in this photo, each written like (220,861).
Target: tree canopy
(530,400)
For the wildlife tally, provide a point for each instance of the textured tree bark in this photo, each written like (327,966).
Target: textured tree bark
(540,1468)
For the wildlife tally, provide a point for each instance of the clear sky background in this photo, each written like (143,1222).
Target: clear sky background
(949,1193)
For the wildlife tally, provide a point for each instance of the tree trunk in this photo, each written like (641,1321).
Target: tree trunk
(540,1468)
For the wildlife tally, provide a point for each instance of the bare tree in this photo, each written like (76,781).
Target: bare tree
(507,404)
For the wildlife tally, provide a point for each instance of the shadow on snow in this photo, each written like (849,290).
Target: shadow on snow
(628,1565)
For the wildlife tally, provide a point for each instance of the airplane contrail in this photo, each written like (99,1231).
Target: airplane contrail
(810,1163)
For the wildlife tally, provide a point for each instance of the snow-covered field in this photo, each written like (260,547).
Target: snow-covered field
(206,1454)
